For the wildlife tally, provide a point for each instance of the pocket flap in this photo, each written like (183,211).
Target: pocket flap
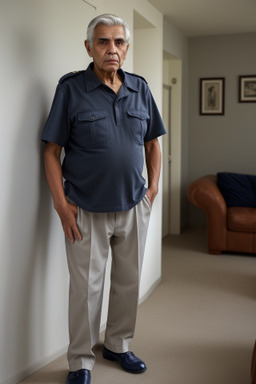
(142,115)
(91,116)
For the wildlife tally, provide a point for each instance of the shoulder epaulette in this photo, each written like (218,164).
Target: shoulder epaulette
(135,75)
(68,75)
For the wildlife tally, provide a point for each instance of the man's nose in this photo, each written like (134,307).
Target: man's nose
(111,47)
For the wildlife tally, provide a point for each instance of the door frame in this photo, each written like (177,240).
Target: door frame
(172,75)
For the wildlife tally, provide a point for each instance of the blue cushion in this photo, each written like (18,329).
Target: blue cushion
(238,190)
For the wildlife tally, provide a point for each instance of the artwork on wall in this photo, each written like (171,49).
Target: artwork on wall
(247,89)
(212,93)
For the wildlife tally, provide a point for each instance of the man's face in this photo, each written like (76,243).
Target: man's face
(109,48)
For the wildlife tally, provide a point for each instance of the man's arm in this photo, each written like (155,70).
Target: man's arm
(67,212)
(153,163)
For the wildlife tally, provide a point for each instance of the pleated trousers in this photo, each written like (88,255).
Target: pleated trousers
(125,234)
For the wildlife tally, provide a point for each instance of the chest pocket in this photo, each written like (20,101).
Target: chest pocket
(138,122)
(92,128)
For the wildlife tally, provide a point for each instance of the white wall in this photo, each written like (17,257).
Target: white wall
(40,41)
(143,54)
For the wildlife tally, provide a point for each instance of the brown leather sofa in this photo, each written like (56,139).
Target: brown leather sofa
(253,365)
(230,229)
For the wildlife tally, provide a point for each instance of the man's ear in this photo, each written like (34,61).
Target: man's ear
(88,48)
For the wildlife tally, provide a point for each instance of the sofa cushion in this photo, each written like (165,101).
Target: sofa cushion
(242,219)
(238,190)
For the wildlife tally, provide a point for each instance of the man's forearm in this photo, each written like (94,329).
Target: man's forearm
(54,175)
(153,163)
(66,211)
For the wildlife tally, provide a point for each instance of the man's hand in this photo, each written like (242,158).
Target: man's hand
(68,216)
(151,194)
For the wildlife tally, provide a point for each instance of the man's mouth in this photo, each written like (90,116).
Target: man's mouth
(111,60)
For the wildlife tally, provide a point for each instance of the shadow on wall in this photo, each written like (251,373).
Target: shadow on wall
(27,232)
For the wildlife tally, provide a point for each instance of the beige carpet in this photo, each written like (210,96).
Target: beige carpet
(198,326)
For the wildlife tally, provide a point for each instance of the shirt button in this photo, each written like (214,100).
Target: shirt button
(92,118)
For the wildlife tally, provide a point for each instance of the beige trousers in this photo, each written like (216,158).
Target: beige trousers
(125,233)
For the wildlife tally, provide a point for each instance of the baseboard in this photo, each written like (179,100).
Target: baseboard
(34,367)
(150,290)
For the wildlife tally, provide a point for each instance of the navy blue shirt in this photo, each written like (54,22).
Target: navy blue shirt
(103,135)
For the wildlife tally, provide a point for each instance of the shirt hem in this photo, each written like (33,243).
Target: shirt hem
(124,208)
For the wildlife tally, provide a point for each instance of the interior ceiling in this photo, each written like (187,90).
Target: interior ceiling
(209,17)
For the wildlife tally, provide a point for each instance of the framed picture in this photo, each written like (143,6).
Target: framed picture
(212,92)
(247,89)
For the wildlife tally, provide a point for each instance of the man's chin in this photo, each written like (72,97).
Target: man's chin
(111,65)
(111,68)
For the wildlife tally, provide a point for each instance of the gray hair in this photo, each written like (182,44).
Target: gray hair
(107,19)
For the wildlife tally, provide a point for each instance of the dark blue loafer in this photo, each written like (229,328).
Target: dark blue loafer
(128,361)
(83,376)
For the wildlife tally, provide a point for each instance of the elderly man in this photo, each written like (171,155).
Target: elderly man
(104,118)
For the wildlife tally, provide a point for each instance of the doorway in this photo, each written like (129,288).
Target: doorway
(166,222)
(172,70)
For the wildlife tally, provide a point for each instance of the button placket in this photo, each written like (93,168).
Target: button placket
(117,111)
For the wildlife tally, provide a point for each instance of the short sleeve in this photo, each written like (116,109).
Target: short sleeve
(156,126)
(57,126)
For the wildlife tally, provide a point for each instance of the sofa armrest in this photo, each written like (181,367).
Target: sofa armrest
(205,194)
(253,365)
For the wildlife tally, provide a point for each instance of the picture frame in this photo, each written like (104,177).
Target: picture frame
(247,89)
(212,96)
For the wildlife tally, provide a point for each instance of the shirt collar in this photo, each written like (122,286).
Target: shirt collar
(92,81)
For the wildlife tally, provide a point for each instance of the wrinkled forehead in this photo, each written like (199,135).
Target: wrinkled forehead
(109,32)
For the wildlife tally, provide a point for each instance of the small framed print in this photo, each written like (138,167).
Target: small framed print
(212,93)
(247,89)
